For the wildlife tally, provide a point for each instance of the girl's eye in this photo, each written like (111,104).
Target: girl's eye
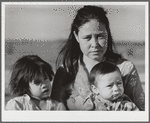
(37,82)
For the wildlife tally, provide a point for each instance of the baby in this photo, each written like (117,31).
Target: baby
(107,86)
(31,81)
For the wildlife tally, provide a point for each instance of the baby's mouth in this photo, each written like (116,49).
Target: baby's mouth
(45,91)
(116,96)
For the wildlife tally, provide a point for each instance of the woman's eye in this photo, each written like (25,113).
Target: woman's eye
(87,38)
(101,37)
(103,43)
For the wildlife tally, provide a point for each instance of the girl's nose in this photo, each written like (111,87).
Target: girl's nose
(45,84)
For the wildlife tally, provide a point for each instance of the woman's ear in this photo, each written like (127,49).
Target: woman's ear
(76,36)
(94,89)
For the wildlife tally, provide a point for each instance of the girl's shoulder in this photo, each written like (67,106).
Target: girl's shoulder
(16,103)
(20,99)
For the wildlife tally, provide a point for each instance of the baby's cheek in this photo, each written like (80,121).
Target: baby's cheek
(122,89)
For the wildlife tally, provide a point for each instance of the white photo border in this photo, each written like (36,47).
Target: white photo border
(95,116)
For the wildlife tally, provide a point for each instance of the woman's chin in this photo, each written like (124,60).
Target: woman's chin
(96,58)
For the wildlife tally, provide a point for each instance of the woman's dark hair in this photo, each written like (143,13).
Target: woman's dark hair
(26,69)
(102,68)
(71,50)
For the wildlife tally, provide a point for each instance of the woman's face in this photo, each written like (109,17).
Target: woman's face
(92,38)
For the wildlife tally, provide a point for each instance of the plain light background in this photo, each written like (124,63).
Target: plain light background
(52,22)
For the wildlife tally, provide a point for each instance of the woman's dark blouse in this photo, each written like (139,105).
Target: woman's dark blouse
(63,91)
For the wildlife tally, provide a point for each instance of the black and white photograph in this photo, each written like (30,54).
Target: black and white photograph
(75,61)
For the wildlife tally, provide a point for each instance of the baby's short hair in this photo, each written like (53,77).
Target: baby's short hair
(27,69)
(102,68)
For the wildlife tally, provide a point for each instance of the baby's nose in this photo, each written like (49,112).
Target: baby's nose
(115,87)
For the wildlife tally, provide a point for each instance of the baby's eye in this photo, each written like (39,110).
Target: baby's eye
(109,85)
(120,83)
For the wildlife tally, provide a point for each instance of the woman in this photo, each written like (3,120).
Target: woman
(89,43)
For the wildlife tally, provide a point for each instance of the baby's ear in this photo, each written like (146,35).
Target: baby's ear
(94,89)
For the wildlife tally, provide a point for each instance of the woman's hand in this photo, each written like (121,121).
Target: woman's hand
(129,106)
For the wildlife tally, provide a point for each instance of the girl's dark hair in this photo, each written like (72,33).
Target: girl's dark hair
(71,50)
(102,68)
(26,69)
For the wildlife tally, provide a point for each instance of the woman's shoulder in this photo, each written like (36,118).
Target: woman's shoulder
(125,63)
(125,66)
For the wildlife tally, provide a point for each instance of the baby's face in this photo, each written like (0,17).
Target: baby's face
(110,86)
(40,89)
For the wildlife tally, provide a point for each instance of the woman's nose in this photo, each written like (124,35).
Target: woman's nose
(94,42)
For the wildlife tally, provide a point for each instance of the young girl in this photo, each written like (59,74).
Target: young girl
(108,89)
(31,82)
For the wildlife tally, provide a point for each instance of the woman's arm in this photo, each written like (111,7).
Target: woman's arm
(132,85)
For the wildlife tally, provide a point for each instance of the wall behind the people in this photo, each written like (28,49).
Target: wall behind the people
(52,22)
(40,29)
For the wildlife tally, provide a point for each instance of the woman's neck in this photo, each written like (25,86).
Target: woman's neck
(89,63)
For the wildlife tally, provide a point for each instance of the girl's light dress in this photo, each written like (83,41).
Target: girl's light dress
(25,103)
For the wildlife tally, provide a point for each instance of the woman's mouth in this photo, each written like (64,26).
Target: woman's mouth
(95,52)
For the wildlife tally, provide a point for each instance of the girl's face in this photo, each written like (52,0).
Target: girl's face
(109,86)
(92,38)
(40,89)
